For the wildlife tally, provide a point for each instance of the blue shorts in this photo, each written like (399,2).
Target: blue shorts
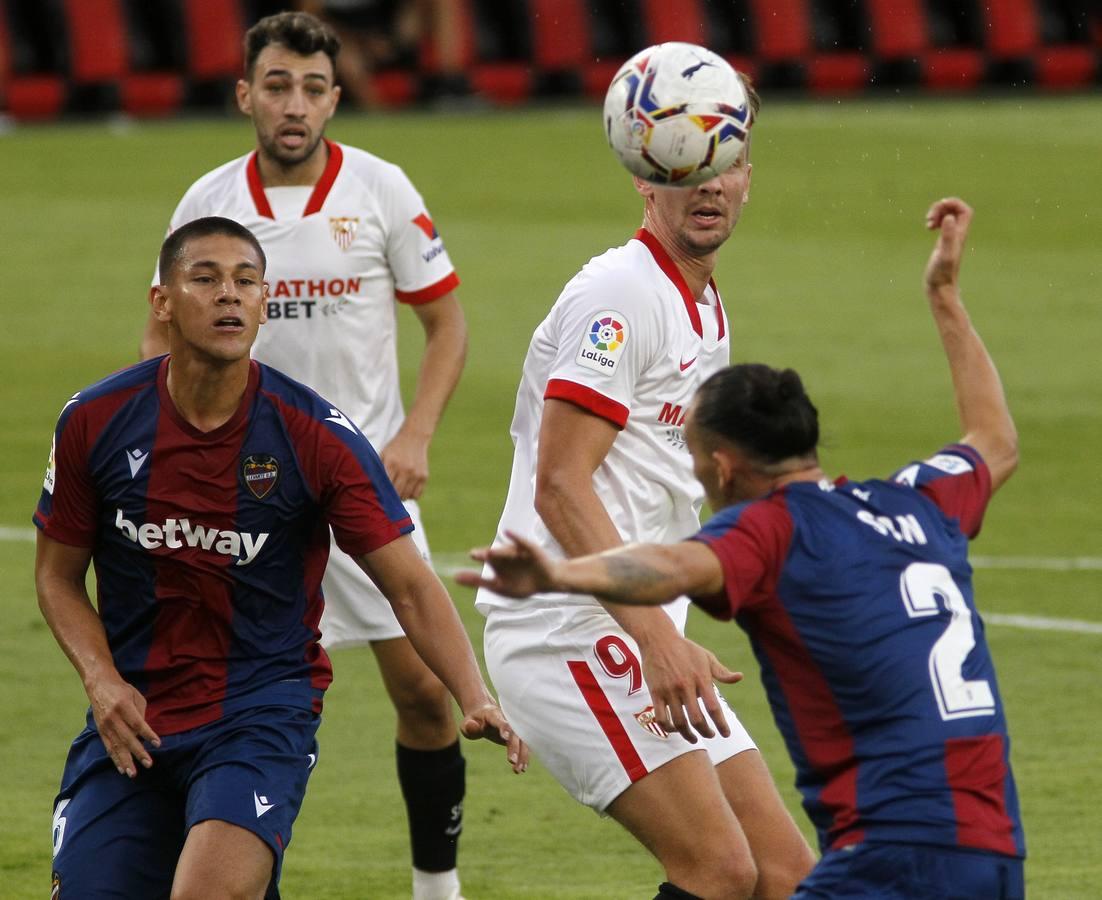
(887,871)
(121,837)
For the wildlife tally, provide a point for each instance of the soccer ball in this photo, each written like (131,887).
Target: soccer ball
(677,114)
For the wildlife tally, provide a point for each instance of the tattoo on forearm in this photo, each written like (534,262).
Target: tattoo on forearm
(632,576)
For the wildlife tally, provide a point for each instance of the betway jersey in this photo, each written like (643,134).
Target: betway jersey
(627,341)
(857,597)
(339,255)
(209,548)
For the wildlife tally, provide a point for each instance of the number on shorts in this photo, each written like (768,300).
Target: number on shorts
(921,584)
(618,660)
(59,824)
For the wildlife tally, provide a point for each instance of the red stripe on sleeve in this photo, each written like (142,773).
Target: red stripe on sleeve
(433,292)
(588,399)
(977,775)
(607,719)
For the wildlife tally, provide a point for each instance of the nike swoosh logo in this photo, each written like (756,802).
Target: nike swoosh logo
(339,418)
(137,459)
(685,365)
(311,760)
(453,830)
(262,804)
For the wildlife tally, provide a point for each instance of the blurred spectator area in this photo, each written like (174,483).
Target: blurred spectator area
(155,57)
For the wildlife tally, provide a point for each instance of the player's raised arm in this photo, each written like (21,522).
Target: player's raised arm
(981,404)
(427,615)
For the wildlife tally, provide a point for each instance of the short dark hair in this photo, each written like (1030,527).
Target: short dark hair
(299,32)
(765,411)
(174,244)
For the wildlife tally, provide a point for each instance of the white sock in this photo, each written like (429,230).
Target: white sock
(436,885)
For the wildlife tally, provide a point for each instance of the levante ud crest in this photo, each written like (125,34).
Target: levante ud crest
(260,473)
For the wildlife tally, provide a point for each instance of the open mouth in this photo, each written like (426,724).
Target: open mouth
(292,135)
(229,323)
(707,215)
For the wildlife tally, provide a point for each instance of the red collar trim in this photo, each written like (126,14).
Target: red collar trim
(317,196)
(669,268)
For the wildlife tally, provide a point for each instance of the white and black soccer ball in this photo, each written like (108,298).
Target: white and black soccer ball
(677,114)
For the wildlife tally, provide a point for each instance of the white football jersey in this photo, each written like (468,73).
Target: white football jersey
(626,341)
(339,254)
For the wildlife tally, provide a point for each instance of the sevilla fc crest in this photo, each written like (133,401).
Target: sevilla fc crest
(260,472)
(649,720)
(343,230)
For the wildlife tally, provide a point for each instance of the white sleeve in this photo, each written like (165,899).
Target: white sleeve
(414,249)
(607,333)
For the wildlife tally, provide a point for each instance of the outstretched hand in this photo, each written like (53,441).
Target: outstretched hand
(488,722)
(951,217)
(521,569)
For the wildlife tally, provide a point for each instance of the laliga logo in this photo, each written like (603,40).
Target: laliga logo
(606,334)
(177,533)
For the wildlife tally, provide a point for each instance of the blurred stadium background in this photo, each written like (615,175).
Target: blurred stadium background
(155,57)
(873,108)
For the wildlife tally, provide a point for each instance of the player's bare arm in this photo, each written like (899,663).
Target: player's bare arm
(981,403)
(428,617)
(118,707)
(679,673)
(634,575)
(406,455)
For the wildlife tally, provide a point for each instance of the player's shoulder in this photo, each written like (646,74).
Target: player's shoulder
(217,180)
(290,393)
(620,273)
(116,387)
(372,171)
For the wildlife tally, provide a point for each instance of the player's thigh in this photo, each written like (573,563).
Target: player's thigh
(114,836)
(679,813)
(223,860)
(356,613)
(890,871)
(774,837)
(570,681)
(251,771)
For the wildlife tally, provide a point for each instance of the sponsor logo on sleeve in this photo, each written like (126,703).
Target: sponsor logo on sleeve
(260,473)
(425,224)
(51,468)
(953,465)
(603,342)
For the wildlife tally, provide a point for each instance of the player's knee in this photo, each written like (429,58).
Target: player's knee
(423,703)
(779,877)
(726,875)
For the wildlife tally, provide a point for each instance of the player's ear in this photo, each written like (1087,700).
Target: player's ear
(264,304)
(643,187)
(244,101)
(158,302)
(336,100)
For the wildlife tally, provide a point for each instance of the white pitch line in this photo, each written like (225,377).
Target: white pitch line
(447,564)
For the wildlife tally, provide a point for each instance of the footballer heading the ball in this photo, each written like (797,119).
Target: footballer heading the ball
(677,114)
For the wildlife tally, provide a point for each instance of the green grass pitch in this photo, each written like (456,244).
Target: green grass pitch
(823,274)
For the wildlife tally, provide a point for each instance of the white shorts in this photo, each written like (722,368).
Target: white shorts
(569,680)
(356,612)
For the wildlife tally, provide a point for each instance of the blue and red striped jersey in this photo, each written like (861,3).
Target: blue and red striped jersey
(209,547)
(857,598)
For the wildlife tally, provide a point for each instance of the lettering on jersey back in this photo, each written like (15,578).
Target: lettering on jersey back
(905,529)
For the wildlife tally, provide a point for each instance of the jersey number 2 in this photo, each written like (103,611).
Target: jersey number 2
(921,584)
